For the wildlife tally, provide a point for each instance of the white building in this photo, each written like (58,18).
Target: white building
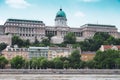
(36,52)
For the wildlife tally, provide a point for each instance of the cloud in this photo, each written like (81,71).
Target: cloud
(2,22)
(17,3)
(89,0)
(79,14)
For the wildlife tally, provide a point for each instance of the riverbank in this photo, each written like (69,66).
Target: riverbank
(59,77)
(59,71)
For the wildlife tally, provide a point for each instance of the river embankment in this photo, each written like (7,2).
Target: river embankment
(59,71)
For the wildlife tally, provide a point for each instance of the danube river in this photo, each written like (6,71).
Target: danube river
(58,77)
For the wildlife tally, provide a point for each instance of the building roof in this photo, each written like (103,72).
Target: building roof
(39,48)
(110,46)
(97,25)
(23,20)
(61,13)
(59,48)
(107,46)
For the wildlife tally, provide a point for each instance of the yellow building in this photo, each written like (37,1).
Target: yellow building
(59,52)
(10,53)
(87,56)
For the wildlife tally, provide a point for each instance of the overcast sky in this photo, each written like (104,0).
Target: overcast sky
(78,12)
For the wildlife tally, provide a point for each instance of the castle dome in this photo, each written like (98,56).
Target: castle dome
(61,14)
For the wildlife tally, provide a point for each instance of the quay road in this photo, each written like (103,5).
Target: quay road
(59,71)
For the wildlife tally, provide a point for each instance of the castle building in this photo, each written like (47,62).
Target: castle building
(34,29)
(26,29)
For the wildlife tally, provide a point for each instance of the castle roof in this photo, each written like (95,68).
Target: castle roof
(61,13)
(97,25)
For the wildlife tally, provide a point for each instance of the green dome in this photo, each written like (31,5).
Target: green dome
(61,14)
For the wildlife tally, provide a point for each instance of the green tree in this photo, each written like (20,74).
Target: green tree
(117,63)
(27,64)
(100,38)
(3,62)
(17,41)
(39,62)
(70,38)
(34,63)
(82,64)
(27,43)
(44,63)
(46,42)
(108,63)
(17,62)
(36,42)
(58,63)
(2,46)
(75,59)
(91,64)
(107,59)
(41,45)
(51,64)
(66,64)
(75,56)
(49,36)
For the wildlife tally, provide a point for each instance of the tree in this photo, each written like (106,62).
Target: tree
(58,63)
(111,40)
(34,63)
(27,43)
(51,64)
(82,64)
(17,41)
(46,42)
(36,42)
(49,36)
(44,63)
(70,38)
(75,56)
(100,38)
(117,63)
(39,62)
(75,59)
(101,35)
(107,60)
(17,62)
(66,64)
(3,62)
(27,64)
(108,63)
(91,64)
(2,46)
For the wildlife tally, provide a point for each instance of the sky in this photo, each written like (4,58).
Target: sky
(78,12)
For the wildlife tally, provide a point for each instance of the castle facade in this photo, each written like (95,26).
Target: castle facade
(32,29)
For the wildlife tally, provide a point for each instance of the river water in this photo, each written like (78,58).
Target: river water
(57,77)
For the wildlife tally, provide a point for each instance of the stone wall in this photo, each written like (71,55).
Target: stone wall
(6,39)
(60,71)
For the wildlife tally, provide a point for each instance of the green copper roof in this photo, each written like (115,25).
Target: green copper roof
(23,20)
(61,14)
(97,25)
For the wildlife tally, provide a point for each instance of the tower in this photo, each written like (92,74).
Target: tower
(60,19)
